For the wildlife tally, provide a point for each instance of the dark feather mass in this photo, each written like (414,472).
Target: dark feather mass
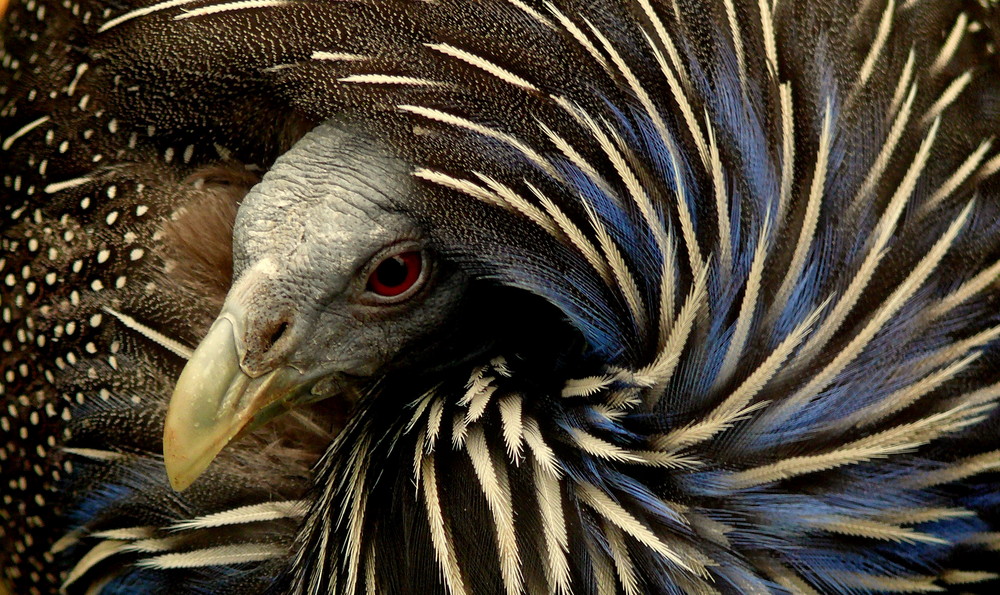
(671,296)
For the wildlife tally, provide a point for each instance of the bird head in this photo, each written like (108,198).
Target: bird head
(333,279)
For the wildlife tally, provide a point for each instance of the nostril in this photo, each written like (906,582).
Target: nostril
(267,344)
(276,335)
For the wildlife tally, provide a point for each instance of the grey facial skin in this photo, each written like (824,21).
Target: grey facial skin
(306,240)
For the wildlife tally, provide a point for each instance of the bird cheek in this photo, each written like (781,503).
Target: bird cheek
(340,346)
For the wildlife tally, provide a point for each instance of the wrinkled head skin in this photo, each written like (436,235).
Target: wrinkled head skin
(301,317)
(306,241)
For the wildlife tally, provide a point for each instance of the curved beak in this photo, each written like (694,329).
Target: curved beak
(215,400)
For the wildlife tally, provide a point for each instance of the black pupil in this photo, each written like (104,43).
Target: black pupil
(392,272)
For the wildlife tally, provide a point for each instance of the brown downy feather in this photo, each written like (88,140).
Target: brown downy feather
(197,241)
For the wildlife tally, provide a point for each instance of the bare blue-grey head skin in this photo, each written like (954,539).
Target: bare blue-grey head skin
(300,318)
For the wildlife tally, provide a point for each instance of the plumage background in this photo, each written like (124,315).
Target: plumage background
(731,322)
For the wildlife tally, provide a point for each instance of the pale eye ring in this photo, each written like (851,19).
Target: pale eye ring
(397,276)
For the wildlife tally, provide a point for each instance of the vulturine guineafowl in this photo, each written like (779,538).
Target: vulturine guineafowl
(500,296)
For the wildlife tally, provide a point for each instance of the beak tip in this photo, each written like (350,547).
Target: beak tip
(186,457)
(183,473)
(178,467)
(178,483)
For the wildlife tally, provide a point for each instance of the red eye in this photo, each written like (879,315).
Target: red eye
(396,274)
